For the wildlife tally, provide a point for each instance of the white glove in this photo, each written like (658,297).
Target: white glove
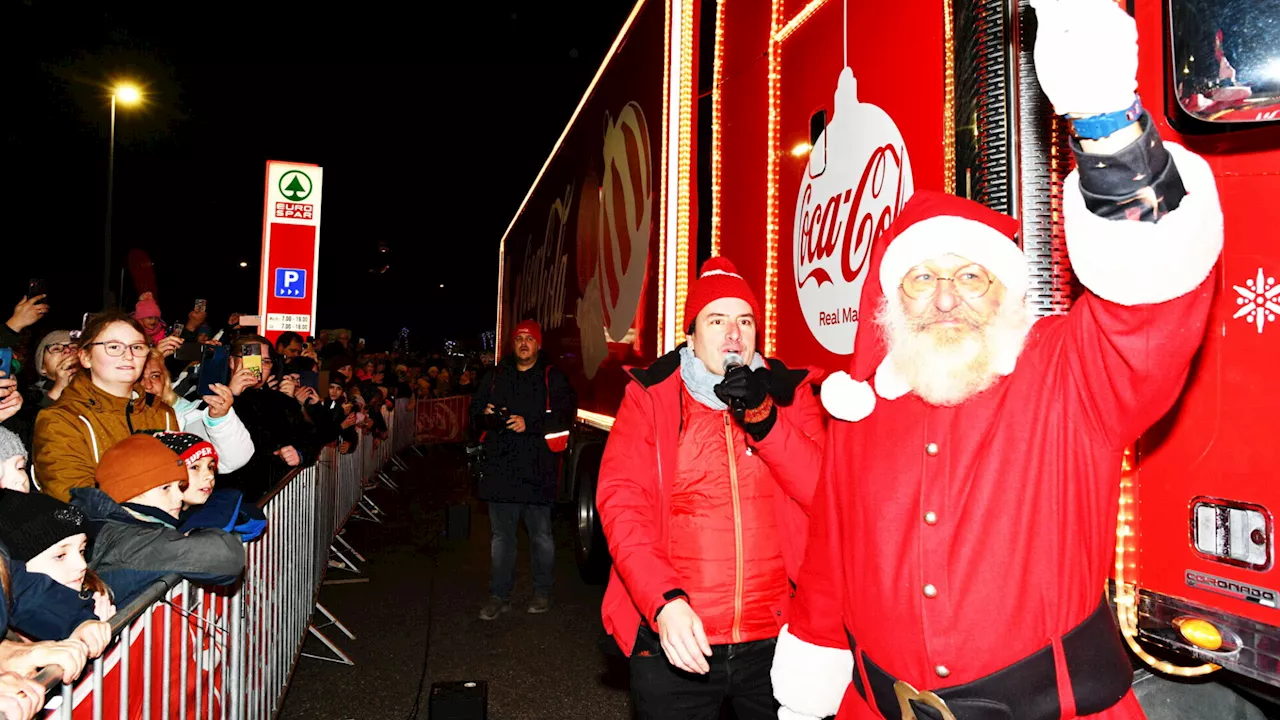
(786,713)
(1086,55)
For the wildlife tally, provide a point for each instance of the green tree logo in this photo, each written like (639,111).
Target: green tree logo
(295,186)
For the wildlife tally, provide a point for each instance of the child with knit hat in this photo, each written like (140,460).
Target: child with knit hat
(202,506)
(50,537)
(13,463)
(201,460)
(135,509)
(147,312)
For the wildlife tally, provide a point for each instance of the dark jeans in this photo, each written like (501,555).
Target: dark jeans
(739,674)
(504,519)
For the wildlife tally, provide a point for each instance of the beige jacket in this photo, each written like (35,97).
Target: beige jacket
(84,423)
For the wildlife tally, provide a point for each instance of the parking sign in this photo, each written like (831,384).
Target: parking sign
(291,282)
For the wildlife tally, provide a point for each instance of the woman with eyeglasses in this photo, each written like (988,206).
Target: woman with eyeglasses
(99,407)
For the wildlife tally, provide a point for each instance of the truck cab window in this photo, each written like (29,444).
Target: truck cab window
(1226,59)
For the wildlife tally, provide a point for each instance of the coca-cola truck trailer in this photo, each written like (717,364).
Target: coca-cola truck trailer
(786,135)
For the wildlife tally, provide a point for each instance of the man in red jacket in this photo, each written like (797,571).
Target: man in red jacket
(964,527)
(704,491)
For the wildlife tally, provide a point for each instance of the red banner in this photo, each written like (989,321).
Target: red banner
(201,628)
(443,419)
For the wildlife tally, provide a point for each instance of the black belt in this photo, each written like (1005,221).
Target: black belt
(1097,666)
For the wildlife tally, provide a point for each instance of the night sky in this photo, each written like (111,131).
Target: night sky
(430,125)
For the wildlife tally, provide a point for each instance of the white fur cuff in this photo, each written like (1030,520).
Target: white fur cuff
(1143,263)
(846,398)
(809,679)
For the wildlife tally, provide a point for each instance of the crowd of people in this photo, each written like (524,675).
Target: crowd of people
(132,449)
(442,376)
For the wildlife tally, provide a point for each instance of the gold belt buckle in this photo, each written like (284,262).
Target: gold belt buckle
(906,694)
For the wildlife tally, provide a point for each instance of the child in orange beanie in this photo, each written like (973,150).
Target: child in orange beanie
(135,509)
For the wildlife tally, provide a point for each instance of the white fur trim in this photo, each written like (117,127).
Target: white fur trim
(951,235)
(709,273)
(846,398)
(1141,263)
(890,384)
(786,713)
(810,679)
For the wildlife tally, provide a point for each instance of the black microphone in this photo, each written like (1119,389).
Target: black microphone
(731,361)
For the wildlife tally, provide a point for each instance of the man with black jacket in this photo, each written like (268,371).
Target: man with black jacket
(522,404)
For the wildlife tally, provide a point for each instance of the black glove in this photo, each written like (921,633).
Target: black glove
(746,392)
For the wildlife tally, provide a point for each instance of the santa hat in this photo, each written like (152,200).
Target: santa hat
(719,279)
(530,327)
(930,225)
(189,446)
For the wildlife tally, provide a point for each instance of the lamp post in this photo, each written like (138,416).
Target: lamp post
(126,95)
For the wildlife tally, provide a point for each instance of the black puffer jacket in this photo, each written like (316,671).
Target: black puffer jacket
(519,467)
(274,420)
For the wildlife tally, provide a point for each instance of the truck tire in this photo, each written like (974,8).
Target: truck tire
(590,547)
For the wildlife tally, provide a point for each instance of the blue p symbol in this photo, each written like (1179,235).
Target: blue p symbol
(291,283)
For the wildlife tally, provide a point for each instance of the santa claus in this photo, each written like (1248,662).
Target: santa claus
(965,519)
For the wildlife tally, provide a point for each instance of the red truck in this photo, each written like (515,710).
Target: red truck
(786,135)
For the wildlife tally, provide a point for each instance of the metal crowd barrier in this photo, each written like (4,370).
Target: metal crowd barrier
(184,651)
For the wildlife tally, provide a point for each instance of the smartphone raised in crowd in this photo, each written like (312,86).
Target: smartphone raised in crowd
(201,305)
(6,362)
(310,378)
(251,359)
(35,287)
(215,367)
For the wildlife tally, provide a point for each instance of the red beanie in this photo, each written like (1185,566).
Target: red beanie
(718,279)
(531,327)
(189,446)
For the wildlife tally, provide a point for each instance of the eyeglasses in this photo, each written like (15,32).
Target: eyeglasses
(970,282)
(60,348)
(116,349)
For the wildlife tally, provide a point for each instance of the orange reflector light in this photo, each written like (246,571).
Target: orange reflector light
(1200,633)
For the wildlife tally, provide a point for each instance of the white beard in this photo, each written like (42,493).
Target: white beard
(946,366)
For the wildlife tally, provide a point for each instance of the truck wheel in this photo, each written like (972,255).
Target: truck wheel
(590,547)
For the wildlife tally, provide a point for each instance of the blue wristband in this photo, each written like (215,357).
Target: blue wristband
(1095,127)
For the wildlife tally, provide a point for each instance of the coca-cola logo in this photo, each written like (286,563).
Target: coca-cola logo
(540,286)
(439,419)
(627,220)
(857,179)
(615,224)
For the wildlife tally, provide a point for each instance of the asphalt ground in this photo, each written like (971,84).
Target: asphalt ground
(421,603)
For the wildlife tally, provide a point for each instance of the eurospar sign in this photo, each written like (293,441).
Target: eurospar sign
(290,248)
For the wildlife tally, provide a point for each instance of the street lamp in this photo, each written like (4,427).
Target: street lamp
(125,94)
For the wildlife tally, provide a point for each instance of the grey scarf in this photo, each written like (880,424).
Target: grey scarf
(701,382)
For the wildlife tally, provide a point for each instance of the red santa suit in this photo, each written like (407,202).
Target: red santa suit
(950,543)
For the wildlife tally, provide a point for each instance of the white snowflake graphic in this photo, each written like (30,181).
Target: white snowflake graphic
(1258,300)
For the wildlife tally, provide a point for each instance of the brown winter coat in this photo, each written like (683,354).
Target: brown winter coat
(84,423)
